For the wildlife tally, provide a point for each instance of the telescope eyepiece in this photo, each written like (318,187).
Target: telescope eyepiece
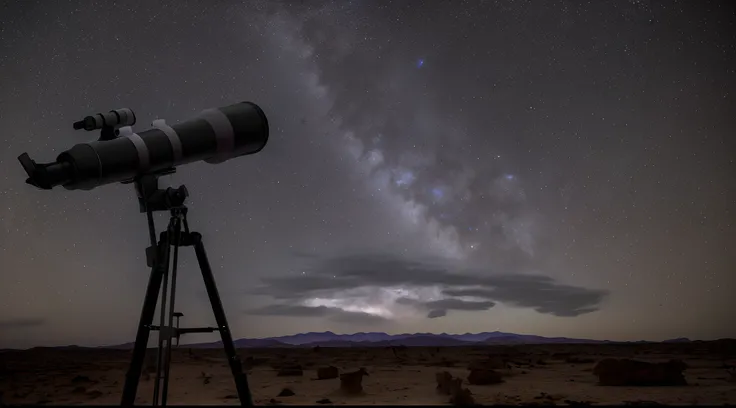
(45,176)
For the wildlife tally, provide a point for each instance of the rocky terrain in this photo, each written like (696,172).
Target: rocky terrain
(685,373)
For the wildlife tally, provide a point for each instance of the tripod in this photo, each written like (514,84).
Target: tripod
(159,259)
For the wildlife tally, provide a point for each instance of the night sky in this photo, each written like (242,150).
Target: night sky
(559,168)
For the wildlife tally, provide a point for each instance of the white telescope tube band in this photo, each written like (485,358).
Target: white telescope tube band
(144,160)
(161,125)
(223,132)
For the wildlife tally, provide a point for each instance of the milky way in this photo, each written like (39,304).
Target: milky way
(469,211)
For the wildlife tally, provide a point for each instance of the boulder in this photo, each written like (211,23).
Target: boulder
(352,383)
(462,397)
(446,383)
(489,364)
(626,372)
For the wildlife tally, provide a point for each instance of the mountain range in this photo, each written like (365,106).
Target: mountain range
(374,339)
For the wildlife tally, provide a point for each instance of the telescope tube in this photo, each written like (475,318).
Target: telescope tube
(215,135)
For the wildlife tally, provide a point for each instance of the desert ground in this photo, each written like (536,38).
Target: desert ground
(532,375)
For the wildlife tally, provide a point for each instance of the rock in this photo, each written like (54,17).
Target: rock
(81,379)
(484,377)
(94,394)
(352,383)
(626,372)
(462,397)
(286,392)
(444,382)
(324,401)
(489,364)
(574,403)
(327,373)
(291,371)
(448,385)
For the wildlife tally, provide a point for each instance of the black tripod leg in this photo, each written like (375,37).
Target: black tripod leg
(170,309)
(132,377)
(241,380)
(160,350)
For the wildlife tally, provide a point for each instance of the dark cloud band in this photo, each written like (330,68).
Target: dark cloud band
(330,276)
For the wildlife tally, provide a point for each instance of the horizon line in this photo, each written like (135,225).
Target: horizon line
(573,339)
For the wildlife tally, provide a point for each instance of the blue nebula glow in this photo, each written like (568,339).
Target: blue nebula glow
(420,63)
(404,178)
(509,177)
(437,193)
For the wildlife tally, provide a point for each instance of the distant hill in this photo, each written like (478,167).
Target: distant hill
(379,339)
(678,340)
(421,339)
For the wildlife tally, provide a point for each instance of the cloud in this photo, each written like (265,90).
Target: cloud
(433,314)
(459,304)
(389,285)
(11,324)
(539,293)
(439,308)
(333,313)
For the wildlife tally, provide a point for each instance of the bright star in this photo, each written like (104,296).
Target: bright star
(420,63)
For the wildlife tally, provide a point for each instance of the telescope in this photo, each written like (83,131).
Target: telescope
(120,155)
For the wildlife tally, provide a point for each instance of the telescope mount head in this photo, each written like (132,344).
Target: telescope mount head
(152,198)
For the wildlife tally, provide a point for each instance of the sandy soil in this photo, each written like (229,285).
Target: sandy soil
(559,374)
